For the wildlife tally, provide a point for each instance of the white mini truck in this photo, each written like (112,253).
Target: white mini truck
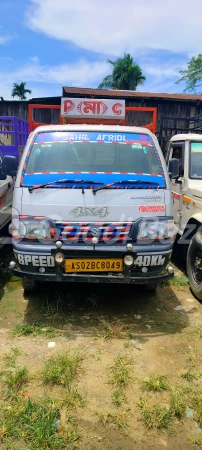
(185,163)
(92,203)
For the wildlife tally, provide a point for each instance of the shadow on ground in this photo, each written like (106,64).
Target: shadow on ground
(103,310)
(179,255)
(106,311)
(5,274)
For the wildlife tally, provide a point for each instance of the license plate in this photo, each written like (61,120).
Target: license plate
(93,265)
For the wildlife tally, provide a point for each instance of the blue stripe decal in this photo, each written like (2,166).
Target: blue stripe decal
(81,136)
(34,179)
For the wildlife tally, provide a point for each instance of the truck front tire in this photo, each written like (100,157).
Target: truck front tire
(28,284)
(194,265)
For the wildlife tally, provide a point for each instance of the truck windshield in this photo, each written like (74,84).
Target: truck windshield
(196,160)
(92,153)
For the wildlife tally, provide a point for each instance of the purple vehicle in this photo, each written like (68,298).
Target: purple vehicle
(13,136)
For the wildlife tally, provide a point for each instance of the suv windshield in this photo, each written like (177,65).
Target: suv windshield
(196,160)
(67,152)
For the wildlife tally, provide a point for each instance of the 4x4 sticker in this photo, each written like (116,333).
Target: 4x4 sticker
(88,211)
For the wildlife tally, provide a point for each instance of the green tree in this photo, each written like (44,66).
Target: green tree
(125,74)
(192,76)
(19,90)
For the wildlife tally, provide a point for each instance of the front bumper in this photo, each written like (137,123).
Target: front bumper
(93,278)
(129,275)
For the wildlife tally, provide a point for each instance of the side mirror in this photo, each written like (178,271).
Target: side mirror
(9,165)
(173,168)
(2,176)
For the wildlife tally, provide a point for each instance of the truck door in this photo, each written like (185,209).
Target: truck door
(176,150)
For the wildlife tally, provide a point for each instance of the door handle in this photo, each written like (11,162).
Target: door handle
(179,180)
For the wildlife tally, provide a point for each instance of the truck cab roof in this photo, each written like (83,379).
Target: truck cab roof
(186,137)
(97,127)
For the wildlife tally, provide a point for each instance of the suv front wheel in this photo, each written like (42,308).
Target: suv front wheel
(194,265)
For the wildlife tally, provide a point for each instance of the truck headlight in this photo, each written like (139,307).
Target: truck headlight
(37,229)
(152,230)
(25,228)
(17,228)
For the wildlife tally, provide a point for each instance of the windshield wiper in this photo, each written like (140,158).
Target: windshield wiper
(108,186)
(44,185)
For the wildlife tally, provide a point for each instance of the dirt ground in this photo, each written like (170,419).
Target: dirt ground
(158,334)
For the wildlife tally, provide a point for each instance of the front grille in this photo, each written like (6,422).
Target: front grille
(84,232)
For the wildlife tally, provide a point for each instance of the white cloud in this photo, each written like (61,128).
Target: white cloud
(165,70)
(46,80)
(115,26)
(79,73)
(5,39)
(34,59)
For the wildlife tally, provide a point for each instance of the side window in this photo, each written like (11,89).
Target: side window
(196,160)
(177,152)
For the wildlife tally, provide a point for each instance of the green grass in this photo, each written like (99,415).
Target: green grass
(187,390)
(197,406)
(74,399)
(62,369)
(195,332)
(38,330)
(179,281)
(54,305)
(192,355)
(43,424)
(189,375)
(10,358)
(118,420)
(177,404)
(23,330)
(15,379)
(104,330)
(48,332)
(120,371)
(118,397)
(155,416)
(155,383)
(127,343)
(37,426)
(110,330)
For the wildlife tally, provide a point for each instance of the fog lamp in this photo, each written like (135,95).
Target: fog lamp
(59,258)
(170,270)
(128,260)
(12,264)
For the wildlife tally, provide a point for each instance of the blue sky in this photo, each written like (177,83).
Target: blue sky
(51,43)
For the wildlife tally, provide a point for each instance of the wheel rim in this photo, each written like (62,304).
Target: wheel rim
(196,265)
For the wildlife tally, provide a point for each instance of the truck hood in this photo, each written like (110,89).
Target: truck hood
(197,192)
(111,205)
